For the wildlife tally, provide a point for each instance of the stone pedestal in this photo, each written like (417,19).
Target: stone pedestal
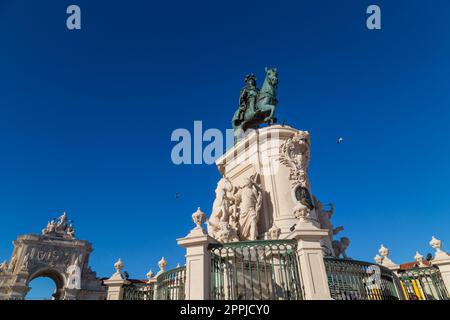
(198,264)
(442,261)
(116,282)
(312,266)
(19,288)
(69,294)
(115,287)
(282,172)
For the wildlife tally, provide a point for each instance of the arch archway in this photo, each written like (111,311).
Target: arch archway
(41,288)
(54,254)
(53,276)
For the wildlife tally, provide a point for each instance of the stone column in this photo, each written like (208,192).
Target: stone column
(116,282)
(198,260)
(311,259)
(152,282)
(442,261)
(18,289)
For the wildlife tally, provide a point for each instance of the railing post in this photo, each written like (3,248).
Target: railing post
(383,260)
(152,284)
(442,261)
(198,260)
(311,260)
(116,282)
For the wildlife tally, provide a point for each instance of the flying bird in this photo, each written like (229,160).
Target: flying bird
(339,140)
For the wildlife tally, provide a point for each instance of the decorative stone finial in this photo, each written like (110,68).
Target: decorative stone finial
(199,218)
(386,261)
(118,266)
(440,254)
(150,274)
(383,251)
(378,259)
(436,244)
(118,276)
(420,259)
(162,265)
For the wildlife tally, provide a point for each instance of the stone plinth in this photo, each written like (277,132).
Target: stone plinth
(198,264)
(280,154)
(312,266)
(115,287)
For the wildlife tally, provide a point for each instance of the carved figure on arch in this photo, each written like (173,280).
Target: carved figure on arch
(12,263)
(25,262)
(71,231)
(74,275)
(60,228)
(3,267)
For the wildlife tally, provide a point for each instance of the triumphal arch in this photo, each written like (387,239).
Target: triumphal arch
(56,254)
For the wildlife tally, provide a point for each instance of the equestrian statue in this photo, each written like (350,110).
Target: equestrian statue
(256,106)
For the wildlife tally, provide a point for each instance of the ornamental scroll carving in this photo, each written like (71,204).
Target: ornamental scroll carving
(295,154)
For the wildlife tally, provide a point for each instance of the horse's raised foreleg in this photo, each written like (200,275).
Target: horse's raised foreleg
(272,111)
(270,119)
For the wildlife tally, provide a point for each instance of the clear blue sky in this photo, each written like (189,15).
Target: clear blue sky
(86,116)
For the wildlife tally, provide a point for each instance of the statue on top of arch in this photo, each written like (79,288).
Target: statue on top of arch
(60,228)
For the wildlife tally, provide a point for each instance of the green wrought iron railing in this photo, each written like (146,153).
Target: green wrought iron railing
(138,291)
(423,284)
(358,280)
(171,284)
(263,270)
(168,286)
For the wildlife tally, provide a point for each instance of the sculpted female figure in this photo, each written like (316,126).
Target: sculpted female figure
(250,201)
